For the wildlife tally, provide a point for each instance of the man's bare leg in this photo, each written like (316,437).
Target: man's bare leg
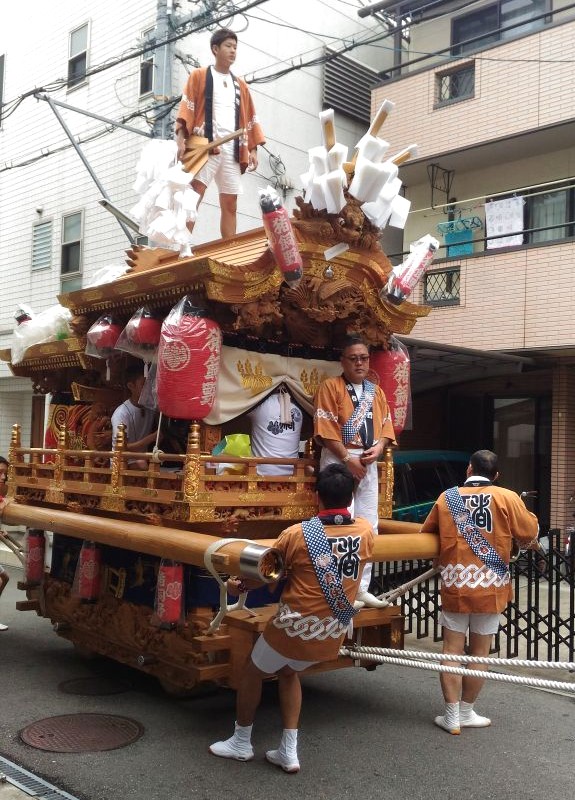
(289,687)
(200,188)
(239,746)
(479,645)
(228,215)
(4,578)
(453,644)
(249,694)
(290,704)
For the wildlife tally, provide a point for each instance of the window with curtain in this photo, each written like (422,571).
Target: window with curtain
(547,210)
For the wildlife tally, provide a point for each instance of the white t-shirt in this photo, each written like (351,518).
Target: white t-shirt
(272,438)
(224,104)
(139,421)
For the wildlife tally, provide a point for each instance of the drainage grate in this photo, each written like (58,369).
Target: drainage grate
(82,733)
(94,685)
(31,784)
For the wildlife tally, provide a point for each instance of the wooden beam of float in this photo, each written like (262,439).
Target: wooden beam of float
(238,557)
(398,541)
(398,546)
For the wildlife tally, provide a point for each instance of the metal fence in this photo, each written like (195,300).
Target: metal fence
(539,623)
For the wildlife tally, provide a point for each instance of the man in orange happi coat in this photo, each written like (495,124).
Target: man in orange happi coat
(324,559)
(216,102)
(352,422)
(476,534)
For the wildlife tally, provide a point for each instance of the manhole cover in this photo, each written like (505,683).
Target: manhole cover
(94,685)
(81,733)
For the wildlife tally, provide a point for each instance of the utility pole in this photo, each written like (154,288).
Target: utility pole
(163,60)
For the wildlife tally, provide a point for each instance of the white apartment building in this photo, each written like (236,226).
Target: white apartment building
(58,59)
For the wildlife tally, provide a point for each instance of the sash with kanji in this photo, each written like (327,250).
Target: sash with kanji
(325,566)
(472,535)
(361,414)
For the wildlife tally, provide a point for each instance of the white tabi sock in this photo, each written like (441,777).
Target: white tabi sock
(243,734)
(468,718)
(286,754)
(452,714)
(288,742)
(450,720)
(237,746)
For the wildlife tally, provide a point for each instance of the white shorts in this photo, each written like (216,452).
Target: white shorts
(268,660)
(484,624)
(223,169)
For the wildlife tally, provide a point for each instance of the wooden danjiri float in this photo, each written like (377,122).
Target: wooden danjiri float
(139,555)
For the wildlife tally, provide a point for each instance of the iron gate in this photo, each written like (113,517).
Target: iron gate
(539,623)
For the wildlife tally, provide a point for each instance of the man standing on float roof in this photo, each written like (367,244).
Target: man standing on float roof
(214,103)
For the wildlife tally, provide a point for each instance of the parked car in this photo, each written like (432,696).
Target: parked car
(419,478)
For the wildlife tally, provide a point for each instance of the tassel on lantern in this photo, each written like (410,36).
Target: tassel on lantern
(88,573)
(35,554)
(169,593)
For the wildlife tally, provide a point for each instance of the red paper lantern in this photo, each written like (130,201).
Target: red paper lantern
(278,228)
(281,237)
(188,363)
(35,554)
(392,369)
(169,593)
(104,334)
(87,579)
(145,331)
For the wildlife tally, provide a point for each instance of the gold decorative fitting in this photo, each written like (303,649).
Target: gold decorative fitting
(159,280)
(93,294)
(191,477)
(201,514)
(253,377)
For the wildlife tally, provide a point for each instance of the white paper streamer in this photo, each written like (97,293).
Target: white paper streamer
(167,200)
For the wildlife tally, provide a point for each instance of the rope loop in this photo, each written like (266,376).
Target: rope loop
(224,607)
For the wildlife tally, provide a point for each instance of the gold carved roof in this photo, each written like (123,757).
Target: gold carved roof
(239,283)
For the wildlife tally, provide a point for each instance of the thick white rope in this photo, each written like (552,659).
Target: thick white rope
(224,607)
(156,452)
(507,662)
(494,676)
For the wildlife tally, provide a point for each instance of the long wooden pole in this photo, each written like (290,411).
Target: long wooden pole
(397,540)
(185,546)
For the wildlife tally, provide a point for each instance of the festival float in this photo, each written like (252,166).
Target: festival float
(139,557)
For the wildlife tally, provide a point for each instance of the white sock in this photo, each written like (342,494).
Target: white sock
(288,742)
(465,709)
(452,715)
(243,734)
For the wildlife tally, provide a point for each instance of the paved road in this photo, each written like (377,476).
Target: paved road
(364,735)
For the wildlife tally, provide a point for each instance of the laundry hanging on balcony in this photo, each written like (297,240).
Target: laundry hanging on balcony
(504,216)
(458,235)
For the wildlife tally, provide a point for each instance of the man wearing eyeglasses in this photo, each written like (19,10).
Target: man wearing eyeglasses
(352,422)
